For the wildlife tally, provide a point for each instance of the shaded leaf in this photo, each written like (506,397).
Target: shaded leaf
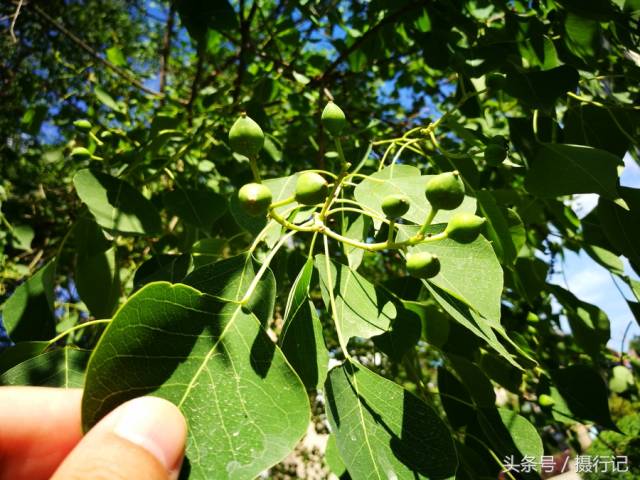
(115,204)
(216,364)
(200,208)
(567,169)
(62,368)
(28,313)
(382,431)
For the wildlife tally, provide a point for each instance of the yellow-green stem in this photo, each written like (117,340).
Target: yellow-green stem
(75,328)
(254,169)
(427,222)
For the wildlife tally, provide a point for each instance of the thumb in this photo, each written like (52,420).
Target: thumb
(142,438)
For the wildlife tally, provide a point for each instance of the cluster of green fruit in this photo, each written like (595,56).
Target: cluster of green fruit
(444,192)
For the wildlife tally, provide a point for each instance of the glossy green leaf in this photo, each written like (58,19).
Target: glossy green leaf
(23,236)
(62,368)
(333,459)
(583,35)
(471,271)
(28,313)
(406,180)
(301,339)
(361,309)
(567,169)
(115,204)
(214,361)
(357,229)
(382,431)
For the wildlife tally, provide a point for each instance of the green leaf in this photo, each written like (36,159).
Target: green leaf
(23,236)
(585,394)
(471,272)
(621,227)
(18,353)
(455,399)
(97,275)
(567,169)
(474,380)
(106,99)
(383,431)
(245,407)
(199,17)
(582,36)
(606,128)
(115,204)
(589,324)
(229,280)
(62,368)
(403,336)
(356,229)
(406,180)
(28,313)
(500,227)
(471,320)
(361,309)
(200,208)
(333,459)
(541,89)
(115,56)
(167,268)
(604,257)
(301,339)
(98,282)
(510,433)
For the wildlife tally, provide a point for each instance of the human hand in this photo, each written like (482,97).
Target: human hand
(41,437)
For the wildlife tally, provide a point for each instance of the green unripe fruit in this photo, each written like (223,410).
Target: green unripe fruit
(495,154)
(395,206)
(255,198)
(246,137)
(333,119)
(546,401)
(311,188)
(464,227)
(82,124)
(422,265)
(445,191)
(80,153)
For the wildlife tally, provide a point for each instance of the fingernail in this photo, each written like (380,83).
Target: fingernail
(157,426)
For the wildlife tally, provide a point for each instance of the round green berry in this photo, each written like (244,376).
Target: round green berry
(246,137)
(422,265)
(333,119)
(464,227)
(445,191)
(395,206)
(495,154)
(255,198)
(311,188)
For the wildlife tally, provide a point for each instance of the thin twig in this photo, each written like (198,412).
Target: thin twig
(84,46)
(166,48)
(365,36)
(13,22)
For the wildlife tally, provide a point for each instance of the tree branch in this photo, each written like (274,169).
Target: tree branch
(365,36)
(245,44)
(196,82)
(166,47)
(83,45)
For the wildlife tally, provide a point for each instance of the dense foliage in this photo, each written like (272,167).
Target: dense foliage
(186,213)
